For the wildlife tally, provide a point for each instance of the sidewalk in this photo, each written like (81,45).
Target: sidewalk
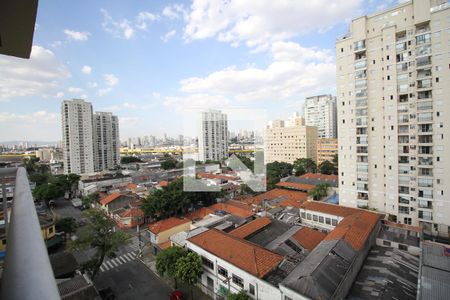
(149,260)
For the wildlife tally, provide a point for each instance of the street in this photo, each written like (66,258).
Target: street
(132,280)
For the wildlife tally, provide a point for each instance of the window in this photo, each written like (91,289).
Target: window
(222,271)
(387,243)
(238,280)
(50,230)
(315,218)
(207,263)
(320,219)
(303,214)
(403,247)
(328,221)
(334,222)
(251,289)
(308,216)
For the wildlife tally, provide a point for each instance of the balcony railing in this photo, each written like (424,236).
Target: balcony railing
(27,271)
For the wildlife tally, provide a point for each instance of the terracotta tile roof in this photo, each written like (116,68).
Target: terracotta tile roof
(163,183)
(331,209)
(291,203)
(199,214)
(296,186)
(240,204)
(133,212)
(355,228)
(216,176)
(403,226)
(319,176)
(276,193)
(247,256)
(250,228)
(132,186)
(165,245)
(309,238)
(163,225)
(110,198)
(233,210)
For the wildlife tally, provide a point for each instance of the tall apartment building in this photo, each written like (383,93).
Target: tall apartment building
(320,111)
(213,136)
(106,141)
(78,139)
(393,75)
(326,150)
(288,143)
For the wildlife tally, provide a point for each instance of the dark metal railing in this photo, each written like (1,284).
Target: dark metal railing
(27,270)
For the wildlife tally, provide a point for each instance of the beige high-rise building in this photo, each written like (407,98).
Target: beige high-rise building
(393,82)
(106,141)
(288,143)
(213,136)
(326,150)
(320,111)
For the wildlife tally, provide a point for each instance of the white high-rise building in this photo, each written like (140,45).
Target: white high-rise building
(106,141)
(78,140)
(393,82)
(320,111)
(213,136)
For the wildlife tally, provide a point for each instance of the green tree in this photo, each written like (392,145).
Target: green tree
(130,159)
(242,295)
(30,164)
(304,165)
(320,191)
(189,269)
(169,164)
(327,167)
(39,178)
(245,160)
(275,171)
(68,225)
(47,192)
(88,200)
(166,261)
(99,234)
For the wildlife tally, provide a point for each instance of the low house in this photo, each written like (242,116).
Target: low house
(160,231)
(115,201)
(102,183)
(129,217)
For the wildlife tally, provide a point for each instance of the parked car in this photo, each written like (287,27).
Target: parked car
(176,295)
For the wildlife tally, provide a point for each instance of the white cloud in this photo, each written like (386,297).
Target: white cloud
(111,79)
(174,11)
(168,36)
(92,84)
(42,125)
(294,72)
(86,70)
(75,90)
(125,28)
(38,76)
(120,28)
(104,91)
(56,44)
(77,35)
(259,23)
(59,95)
(196,101)
(143,18)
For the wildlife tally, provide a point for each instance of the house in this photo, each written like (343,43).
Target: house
(114,201)
(102,183)
(264,199)
(229,208)
(129,217)
(160,231)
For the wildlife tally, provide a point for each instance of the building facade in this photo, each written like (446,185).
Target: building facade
(213,136)
(392,80)
(320,111)
(289,143)
(77,135)
(106,141)
(326,149)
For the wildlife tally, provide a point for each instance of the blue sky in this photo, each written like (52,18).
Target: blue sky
(153,62)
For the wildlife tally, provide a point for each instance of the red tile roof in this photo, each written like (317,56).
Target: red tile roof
(291,203)
(319,176)
(247,256)
(163,183)
(163,225)
(165,245)
(133,212)
(110,198)
(250,228)
(132,186)
(355,229)
(231,209)
(216,176)
(240,204)
(276,193)
(309,238)
(296,186)
(199,214)
(331,209)
(403,226)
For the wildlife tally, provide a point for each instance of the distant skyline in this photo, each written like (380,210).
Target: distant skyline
(150,62)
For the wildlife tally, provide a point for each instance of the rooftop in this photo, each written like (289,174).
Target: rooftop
(331,209)
(309,238)
(313,179)
(276,193)
(296,186)
(251,227)
(199,214)
(163,225)
(269,233)
(247,256)
(216,176)
(132,213)
(231,209)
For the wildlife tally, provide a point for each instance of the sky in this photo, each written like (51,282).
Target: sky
(153,63)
